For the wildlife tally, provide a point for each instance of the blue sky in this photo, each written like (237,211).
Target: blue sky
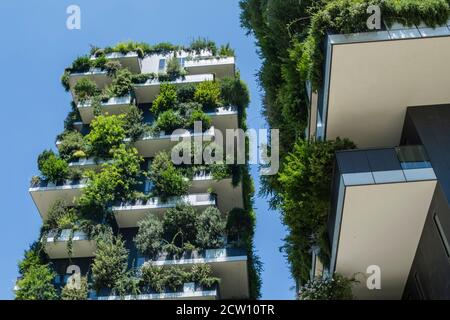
(37,46)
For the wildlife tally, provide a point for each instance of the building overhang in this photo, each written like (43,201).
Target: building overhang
(378,217)
(114,106)
(99,77)
(230,265)
(371,78)
(57,247)
(221,67)
(148,91)
(129,60)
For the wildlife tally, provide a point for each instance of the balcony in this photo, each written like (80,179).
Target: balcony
(115,105)
(405,70)
(45,193)
(380,201)
(87,164)
(151,144)
(230,265)
(224,118)
(129,60)
(56,246)
(221,67)
(129,214)
(190,291)
(147,92)
(99,76)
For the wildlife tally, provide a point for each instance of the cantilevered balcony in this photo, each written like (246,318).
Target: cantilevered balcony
(115,105)
(370,78)
(129,214)
(129,60)
(380,201)
(223,118)
(56,244)
(147,92)
(230,265)
(99,76)
(45,193)
(87,164)
(151,144)
(221,67)
(190,291)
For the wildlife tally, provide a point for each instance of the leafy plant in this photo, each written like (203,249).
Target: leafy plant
(202,274)
(167,181)
(121,84)
(81,64)
(85,89)
(169,121)
(153,277)
(69,292)
(110,262)
(226,51)
(149,238)
(52,167)
(234,92)
(210,229)
(133,123)
(112,67)
(37,284)
(179,225)
(107,132)
(208,93)
(71,143)
(335,288)
(166,100)
(197,115)
(201,44)
(174,69)
(186,92)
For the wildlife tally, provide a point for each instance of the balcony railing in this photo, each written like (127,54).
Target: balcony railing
(413,157)
(205,256)
(189,290)
(64,184)
(56,244)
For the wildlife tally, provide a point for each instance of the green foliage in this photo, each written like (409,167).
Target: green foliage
(71,293)
(121,84)
(208,93)
(134,126)
(127,283)
(226,51)
(85,89)
(186,92)
(107,132)
(174,69)
(52,167)
(202,274)
(197,115)
(166,100)
(37,284)
(179,225)
(210,228)
(60,217)
(336,288)
(166,179)
(153,277)
(234,92)
(110,262)
(305,200)
(220,171)
(169,121)
(81,64)
(65,80)
(149,238)
(202,44)
(70,144)
(112,67)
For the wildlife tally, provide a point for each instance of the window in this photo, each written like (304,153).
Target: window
(181,61)
(442,235)
(162,65)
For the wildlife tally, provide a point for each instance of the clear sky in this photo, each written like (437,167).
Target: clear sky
(37,46)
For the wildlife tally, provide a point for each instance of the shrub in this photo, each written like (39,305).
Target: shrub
(85,89)
(52,168)
(166,179)
(202,274)
(186,92)
(220,171)
(197,115)
(81,64)
(59,216)
(71,144)
(149,237)
(127,161)
(174,69)
(110,262)
(169,121)
(226,51)
(153,277)
(210,229)
(65,80)
(122,84)
(208,93)
(167,98)
(179,223)
(234,92)
(37,284)
(200,44)
(336,288)
(112,67)
(175,278)
(134,126)
(69,292)
(107,132)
